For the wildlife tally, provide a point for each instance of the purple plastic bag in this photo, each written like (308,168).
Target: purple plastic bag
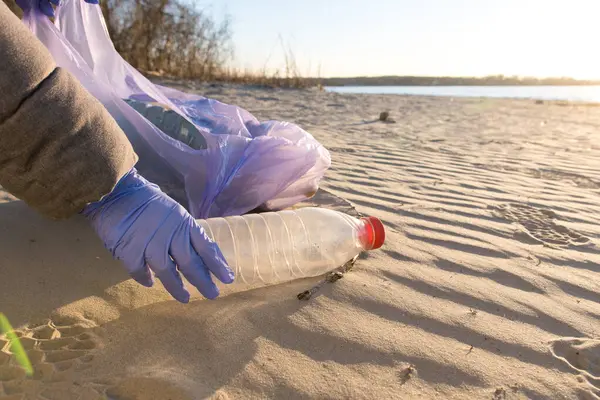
(246,163)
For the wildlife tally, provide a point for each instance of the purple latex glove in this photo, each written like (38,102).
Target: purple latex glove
(45,6)
(147,230)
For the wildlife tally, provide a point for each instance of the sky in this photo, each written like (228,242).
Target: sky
(418,37)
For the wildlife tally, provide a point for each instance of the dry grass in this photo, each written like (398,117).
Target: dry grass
(275,80)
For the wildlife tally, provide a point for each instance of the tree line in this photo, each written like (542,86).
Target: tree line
(171,37)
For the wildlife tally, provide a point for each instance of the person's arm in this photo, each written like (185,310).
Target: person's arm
(59,148)
(62,153)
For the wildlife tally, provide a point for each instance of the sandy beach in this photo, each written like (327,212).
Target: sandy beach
(488,286)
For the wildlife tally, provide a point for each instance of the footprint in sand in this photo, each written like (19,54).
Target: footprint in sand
(580,354)
(540,225)
(57,353)
(557,175)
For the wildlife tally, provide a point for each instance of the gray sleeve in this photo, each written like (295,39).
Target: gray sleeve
(59,147)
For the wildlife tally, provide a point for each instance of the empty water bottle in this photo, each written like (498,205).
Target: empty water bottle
(281,246)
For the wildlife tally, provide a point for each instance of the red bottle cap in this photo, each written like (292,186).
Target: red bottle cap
(373,234)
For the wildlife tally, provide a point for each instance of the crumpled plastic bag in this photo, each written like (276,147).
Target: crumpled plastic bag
(243,163)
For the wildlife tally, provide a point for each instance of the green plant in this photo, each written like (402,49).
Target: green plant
(15,345)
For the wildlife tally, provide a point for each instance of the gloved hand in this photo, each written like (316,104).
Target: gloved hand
(143,227)
(45,6)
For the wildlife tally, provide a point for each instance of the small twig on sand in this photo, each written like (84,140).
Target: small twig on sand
(535,259)
(407,373)
(332,277)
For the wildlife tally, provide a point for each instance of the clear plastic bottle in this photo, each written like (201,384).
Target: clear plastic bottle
(275,247)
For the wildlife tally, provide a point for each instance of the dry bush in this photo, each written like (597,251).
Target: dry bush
(168,36)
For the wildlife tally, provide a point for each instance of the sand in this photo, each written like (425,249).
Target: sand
(488,286)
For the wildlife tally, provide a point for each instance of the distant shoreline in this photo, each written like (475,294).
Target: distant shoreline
(474,84)
(571,93)
(454,81)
